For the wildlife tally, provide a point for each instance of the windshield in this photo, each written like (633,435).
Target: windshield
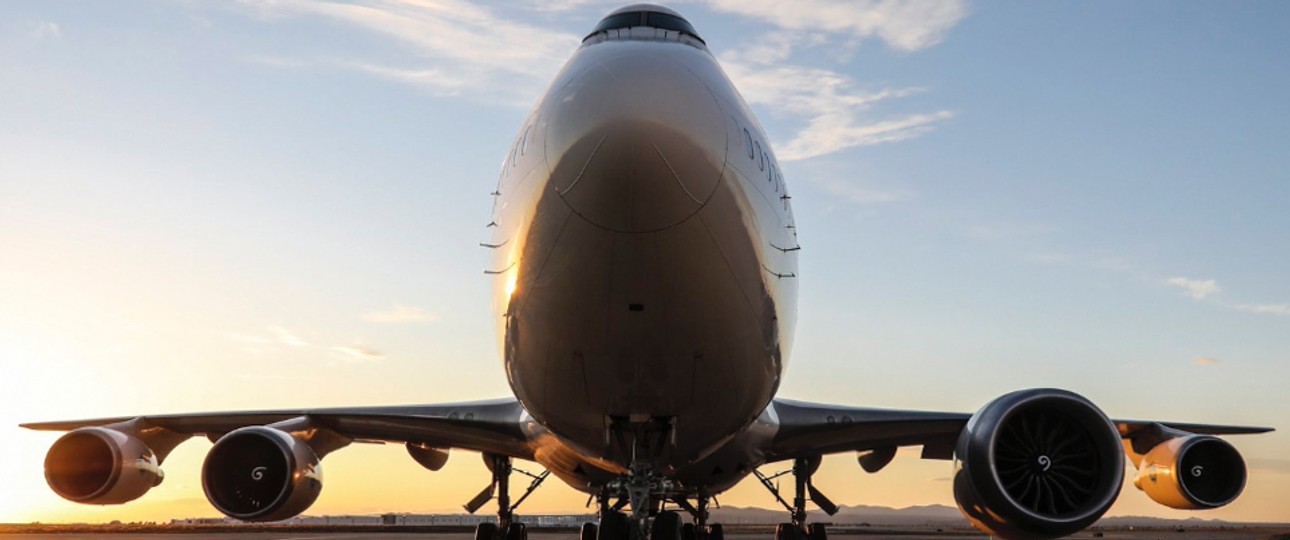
(646,18)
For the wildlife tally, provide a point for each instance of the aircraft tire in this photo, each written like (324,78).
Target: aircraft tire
(817,531)
(689,532)
(517,531)
(667,526)
(588,532)
(613,526)
(787,531)
(486,531)
(716,532)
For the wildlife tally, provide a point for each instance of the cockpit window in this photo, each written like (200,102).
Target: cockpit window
(646,18)
(621,20)
(669,22)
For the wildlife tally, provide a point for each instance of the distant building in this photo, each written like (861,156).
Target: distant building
(407,520)
(423,520)
(201,521)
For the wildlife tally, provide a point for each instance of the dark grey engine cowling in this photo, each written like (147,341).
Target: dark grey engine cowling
(97,465)
(261,473)
(1039,463)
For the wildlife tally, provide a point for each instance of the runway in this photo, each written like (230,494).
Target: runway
(903,534)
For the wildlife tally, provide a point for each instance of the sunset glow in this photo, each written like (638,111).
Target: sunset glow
(261,205)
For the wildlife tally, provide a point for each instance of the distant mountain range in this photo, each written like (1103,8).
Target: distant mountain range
(932,515)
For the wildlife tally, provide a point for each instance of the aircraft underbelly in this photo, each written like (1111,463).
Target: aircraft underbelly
(676,323)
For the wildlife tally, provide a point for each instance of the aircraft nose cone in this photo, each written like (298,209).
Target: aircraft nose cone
(636,143)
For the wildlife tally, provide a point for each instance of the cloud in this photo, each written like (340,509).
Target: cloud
(44,30)
(401,314)
(460,48)
(1195,288)
(250,339)
(281,336)
(861,195)
(286,337)
(1006,231)
(1274,309)
(1204,361)
(566,5)
(357,353)
(833,105)
(907,25)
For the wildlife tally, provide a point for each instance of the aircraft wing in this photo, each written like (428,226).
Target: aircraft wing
(813,429)
(484,426)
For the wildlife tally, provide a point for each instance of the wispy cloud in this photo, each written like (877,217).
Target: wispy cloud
(907,25)
(835,107)
(1197,289)
(1006,231)
(357,353)
(461,48)
(835,110)
(486,53)
(279,336)
(44,30)
(401,314)
(286,337)
(1204,361)
(1272,309)
(860,195)
(282,339)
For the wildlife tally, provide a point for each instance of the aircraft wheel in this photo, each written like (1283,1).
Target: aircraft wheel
(517,531)
(667,526)
(588,532)
(486,531)
(716,532)
(689,532)
(787,531)
(816,531)
(613,526)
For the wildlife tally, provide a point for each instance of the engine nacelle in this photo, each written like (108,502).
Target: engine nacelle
(1037,464)
(260,473)
(96,465)
(1192,473)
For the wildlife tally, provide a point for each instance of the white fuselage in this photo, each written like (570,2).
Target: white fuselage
(645,256)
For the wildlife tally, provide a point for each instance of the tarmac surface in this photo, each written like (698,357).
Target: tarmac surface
(898,533)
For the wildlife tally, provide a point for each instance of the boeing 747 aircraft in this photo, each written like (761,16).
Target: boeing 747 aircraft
(645,259)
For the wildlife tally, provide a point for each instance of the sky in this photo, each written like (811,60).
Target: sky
(275,204)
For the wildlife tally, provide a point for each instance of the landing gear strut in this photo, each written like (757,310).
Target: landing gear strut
(506,527)
(797,528)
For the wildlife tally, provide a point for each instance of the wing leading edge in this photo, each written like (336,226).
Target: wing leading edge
(492,427)
(813,429)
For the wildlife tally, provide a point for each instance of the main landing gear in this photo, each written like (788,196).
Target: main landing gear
(798,529)
(506,527)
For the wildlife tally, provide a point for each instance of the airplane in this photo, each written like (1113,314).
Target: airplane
(644,255)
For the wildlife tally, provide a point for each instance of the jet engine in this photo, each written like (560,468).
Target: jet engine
(96,465)
(1192,472)
(1037,464)
(260,473)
